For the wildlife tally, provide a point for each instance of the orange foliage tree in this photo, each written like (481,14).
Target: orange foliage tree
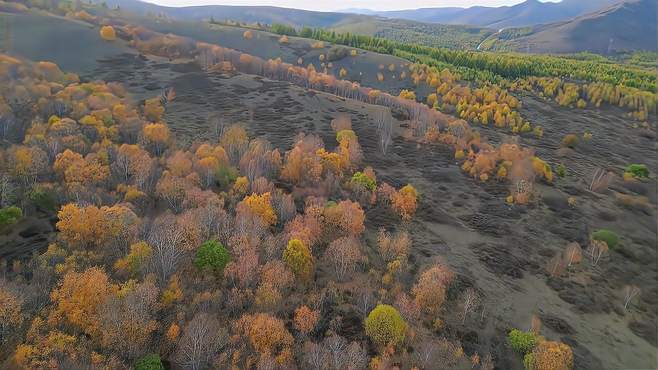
(430,290)
(108,33)
(404,202)
(79,298)
(306,319)
(267,335)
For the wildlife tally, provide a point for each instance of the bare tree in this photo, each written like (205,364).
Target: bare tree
(470,301)
(365,301)
(166,241)
(7,191)
(314,356)
(384,122)
(597,249)
(573,254)
(344,253)
(600,180)
(424,354)
(217,125)
(202,338)
(630,292)
(487,363)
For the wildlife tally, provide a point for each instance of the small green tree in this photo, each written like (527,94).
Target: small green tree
(10,215)
(365,181)
(638,170)
(149,362)
(212,255)
(299,258)
(521,341)
(385,326)
(608,236)
(42,199)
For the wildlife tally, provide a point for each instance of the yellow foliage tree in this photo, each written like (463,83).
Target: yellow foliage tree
(299,259)
(259,205)
(79,297)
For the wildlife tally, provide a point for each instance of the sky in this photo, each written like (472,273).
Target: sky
(332,5)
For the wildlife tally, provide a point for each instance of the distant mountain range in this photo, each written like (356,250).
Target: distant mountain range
(527,13)
(600,26)
(626,26)
(248,14)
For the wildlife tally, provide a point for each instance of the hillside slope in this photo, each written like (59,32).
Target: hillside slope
(622,27)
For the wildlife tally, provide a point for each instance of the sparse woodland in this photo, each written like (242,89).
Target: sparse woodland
(237,254)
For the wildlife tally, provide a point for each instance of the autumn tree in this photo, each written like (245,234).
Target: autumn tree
(299,259)
(235,141)
(108,33)
(404,202)
(430,290)
(345,216)
(11,315)
(549,355)
(79,298)
(157,136)
(126,318)
(306,319)
(136,261)
(260,206)
(344,253)
(385,326)
(84,226)
(393,246)
(266,335)
(26,163)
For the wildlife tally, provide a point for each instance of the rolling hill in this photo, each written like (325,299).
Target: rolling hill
(626,26)
(529,12)
(428,34)
(247,14)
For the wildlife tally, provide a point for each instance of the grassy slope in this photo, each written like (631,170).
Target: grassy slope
(51,38)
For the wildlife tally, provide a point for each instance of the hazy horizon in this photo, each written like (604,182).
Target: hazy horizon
(328,5)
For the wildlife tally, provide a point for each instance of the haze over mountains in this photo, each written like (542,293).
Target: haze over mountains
(601,26)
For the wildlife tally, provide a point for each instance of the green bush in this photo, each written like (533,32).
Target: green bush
(365,181)
(10,215)
(226,175)
(561,170)
(211,255)
(521,341)
(608,236)
(384,325)
(42,199)
(638,170)
(149,362)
